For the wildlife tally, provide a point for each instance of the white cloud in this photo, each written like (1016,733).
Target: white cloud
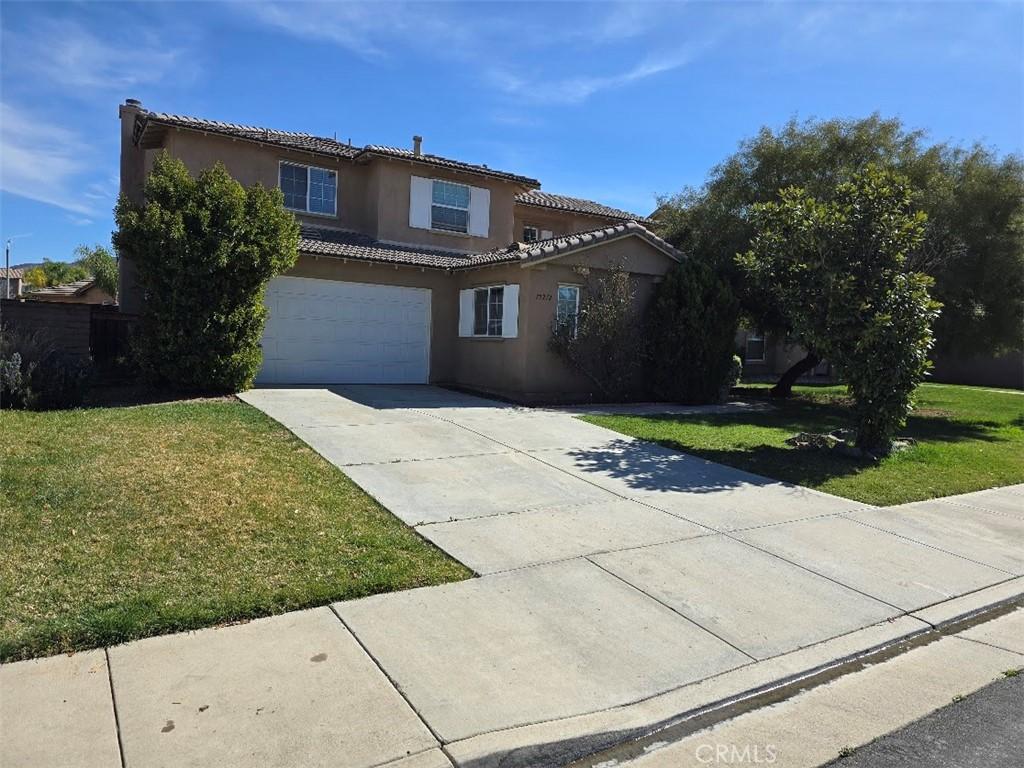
(40,160)
(63,54)
(627,20)
(578,88)
(372,31)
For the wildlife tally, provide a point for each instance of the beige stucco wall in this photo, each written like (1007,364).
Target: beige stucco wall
(393,181)
(250,163)
(525,368)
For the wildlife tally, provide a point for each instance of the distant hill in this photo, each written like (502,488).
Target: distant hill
(26,265)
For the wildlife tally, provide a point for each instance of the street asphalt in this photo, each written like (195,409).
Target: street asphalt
(983,729)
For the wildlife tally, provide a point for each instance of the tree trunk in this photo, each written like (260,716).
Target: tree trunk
(784,386)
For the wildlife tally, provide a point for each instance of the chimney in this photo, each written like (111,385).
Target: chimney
(417,145)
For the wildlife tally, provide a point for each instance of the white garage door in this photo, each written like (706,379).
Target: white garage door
(329,332)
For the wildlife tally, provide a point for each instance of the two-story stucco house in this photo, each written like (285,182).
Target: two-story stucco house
(412,268)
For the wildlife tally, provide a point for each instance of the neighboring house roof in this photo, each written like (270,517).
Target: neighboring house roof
(540,199)
(76,288)
(15,273)
(149,128)
(351,245)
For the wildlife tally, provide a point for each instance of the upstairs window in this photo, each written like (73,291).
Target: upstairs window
(488,310)
(309,189)
(530,234)
(449,210)
(567,308)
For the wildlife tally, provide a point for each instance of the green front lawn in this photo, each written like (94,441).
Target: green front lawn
(968,439)
(124,522)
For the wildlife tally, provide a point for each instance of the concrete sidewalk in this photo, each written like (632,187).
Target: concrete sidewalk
(621,585)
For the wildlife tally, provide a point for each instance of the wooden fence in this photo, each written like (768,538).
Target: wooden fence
(83,331)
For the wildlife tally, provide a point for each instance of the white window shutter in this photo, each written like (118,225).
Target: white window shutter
(510,312)
(546,234)
(479,211)
(466,312)
(420,194)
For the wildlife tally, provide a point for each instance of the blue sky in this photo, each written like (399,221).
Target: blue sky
(617,102)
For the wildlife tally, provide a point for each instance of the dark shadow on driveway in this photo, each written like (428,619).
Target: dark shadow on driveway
(645,466)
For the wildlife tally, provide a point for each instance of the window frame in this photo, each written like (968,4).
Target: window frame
(755,336)
(576,310)
(309,182)
(488,319)
(536,233)
(468,209)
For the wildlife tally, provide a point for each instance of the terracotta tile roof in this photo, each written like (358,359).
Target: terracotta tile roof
(149,128)
(560,246)
(483,170)
(148,123)
(66,289)
(352,245)
(324,241)
(15,273)
(539,199)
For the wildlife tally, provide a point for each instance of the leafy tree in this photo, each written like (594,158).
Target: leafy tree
(973,241)
(55,273)
(35,278)
(606,342)
(842,267)
(100,264)
(96,263)
(204,249)
(691,332)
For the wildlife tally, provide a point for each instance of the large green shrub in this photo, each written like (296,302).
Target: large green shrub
(691,332)
(204,249)
(842,269)
(606,342)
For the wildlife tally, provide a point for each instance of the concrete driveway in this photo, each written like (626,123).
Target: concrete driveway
(621,584)
(613,569)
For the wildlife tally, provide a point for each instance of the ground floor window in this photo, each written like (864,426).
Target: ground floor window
(755,347)
(488,305)
(567,309)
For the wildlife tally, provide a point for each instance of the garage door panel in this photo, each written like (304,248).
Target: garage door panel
(325,331)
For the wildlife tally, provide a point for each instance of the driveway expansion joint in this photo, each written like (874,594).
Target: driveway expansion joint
(932,546)
(394,683)
(661,602)
(113,704)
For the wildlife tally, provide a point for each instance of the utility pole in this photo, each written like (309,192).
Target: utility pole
(7,268)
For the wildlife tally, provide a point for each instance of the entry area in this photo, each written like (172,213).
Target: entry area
(333,332)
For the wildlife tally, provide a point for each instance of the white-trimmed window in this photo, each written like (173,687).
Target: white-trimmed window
(449,209)
(309,189)
(567,306)
(755,347)
(488,310)
(530,234)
